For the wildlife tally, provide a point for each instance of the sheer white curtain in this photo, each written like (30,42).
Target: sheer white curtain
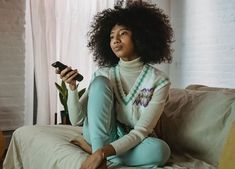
(56,30)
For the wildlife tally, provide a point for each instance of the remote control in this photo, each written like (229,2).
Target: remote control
(61,67)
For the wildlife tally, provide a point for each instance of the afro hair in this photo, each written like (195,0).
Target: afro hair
(152,34)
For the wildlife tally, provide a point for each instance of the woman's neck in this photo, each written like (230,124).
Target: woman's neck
(131,66)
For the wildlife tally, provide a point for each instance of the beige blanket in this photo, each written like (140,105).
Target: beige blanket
(48,147)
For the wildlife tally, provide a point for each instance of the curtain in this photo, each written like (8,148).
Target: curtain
(55,30)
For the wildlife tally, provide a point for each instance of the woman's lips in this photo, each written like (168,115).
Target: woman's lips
(117,48)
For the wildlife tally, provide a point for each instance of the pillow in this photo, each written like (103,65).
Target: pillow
(197,122)
(227,157)
(206,88)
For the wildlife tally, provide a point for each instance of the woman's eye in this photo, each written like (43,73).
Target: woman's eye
(111,37)
(123,33)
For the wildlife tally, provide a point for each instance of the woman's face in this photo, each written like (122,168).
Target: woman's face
(121,43)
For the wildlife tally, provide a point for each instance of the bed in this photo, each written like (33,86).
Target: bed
(48,147)
(195,130)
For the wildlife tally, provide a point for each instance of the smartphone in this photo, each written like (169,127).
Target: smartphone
(61,67)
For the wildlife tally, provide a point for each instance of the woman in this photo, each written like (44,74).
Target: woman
(126,96)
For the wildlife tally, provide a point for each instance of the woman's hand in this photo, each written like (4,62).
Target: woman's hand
(68,75)
(95,161)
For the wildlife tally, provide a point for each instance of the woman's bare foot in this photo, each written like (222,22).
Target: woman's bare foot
(82,144)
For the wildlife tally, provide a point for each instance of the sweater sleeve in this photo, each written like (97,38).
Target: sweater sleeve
(77,106)
(147,121)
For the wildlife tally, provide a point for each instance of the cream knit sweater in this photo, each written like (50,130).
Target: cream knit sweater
(141,92)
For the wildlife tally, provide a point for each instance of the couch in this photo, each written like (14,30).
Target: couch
(196,123)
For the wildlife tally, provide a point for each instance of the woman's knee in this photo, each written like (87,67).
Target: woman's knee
(158,150)
(101,114)
(149,152)
(100,83)
(100,95)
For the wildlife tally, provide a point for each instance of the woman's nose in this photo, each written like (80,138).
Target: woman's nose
(116,39)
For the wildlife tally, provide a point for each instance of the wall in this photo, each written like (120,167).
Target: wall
(12,55)
(205,42)
(204,49)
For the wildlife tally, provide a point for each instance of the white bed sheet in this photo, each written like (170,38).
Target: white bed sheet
(48,147)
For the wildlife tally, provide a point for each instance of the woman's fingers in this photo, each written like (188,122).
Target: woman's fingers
(71,75)
(64,72)
(68,75)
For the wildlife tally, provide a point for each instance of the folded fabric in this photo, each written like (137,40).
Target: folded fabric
(227,157)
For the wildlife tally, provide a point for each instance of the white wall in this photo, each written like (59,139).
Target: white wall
(205,42)
(204,49)
(12,55)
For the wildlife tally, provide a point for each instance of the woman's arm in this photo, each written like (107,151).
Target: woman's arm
(98,158)
(75,104)
(147,121)
(142,129)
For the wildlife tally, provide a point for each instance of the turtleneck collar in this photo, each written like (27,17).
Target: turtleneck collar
(131,66)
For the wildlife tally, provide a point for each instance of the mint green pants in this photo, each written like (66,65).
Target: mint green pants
(100,128)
